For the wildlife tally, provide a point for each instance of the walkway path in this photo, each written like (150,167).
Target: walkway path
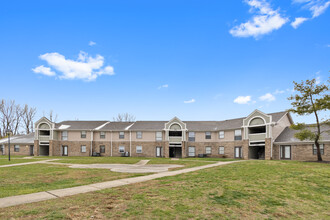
(53,194)
(27,163)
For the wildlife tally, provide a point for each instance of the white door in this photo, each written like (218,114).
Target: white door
(287,152)
(238,152)
(65,150)
(158,151)
(191,151)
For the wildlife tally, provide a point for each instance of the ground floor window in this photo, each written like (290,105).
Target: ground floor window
(208,150)
(321,149)
(102,149)
(16,148)
(238,152)
(64,150)
(139,149)
(221,150)
(285,152)
(83,149)
(191,151)
(2,149)
(121,149)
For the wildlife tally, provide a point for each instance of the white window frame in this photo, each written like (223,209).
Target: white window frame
(102,135)
(139,135)
(321,149)
(208,150)
(83,149)
(16,148)
(83,134)
(121,149)
(191,151)
(121,135)
(191,136)
(102,146)
(139,149)
(159,136)
(64,135)
(221,150)
(238,133)
(221,134)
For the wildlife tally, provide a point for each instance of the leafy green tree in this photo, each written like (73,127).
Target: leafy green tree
(312,99)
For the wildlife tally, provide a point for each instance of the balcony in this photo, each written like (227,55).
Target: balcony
(44,139)
(175,139)
(257,137)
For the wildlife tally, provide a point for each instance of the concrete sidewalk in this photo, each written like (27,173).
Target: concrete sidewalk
(58,193)
(27,163)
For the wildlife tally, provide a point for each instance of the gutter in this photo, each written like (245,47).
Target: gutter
(91,142)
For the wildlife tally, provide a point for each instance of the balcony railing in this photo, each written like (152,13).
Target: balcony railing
(43,138)
(175,139)
(257,137)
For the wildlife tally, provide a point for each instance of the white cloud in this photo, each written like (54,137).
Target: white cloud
(163,86)
(265,21)
(318,78)
(242,100)
(44,70)
(91,43)
(267,97)
(189,101)
(298,21)
(85,67)
(317,7)
(279,91)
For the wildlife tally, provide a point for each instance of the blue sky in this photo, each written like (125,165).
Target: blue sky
(198,60)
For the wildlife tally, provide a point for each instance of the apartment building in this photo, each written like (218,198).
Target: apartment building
(257,136)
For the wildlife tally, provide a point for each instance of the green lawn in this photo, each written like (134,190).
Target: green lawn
(16,159)
(246,190)
(42,177)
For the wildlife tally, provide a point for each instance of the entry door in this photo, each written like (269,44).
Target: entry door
(158,151)
(286,152)
(31,150)
(65,151)
(238,152)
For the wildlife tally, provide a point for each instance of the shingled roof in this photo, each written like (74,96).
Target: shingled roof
(19,139)
(157,125)
(288,134)
(79,125)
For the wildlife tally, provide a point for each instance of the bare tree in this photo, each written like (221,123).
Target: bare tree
(125,117)
(18,114)
(7,112)
(28,117)
(51,116)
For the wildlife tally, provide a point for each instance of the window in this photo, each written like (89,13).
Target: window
(139,135)
(121,149)
(208,135)
(102,149)
(221,150)
(238,135)
(285,152)
(83,149)
(64,135)
(121,135)
(16,148)
(102,134)
(321,149)
(238,152)
(159,136)
(208,150)
(83,134)
(191,136)
(138,149)
(221,134)
(191,151)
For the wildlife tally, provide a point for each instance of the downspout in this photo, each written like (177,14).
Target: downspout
(111,143)
(130,143)
(91,142)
